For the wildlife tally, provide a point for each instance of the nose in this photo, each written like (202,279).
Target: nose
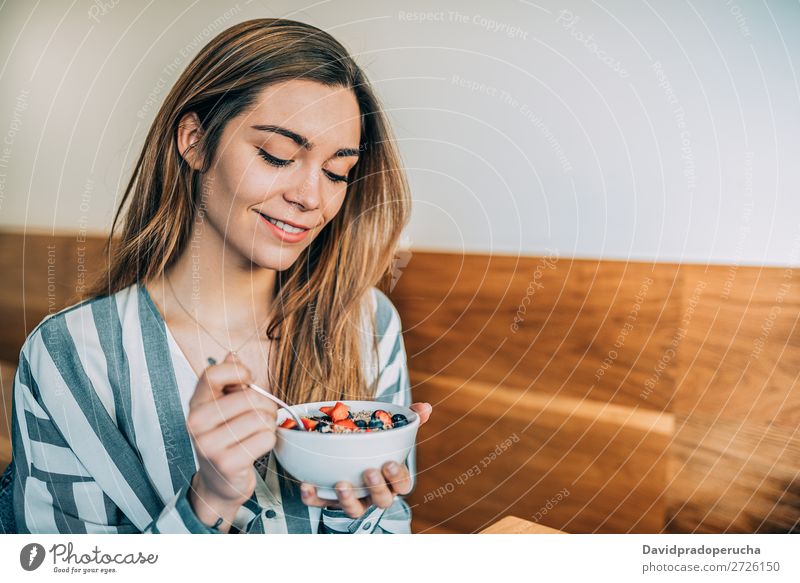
(307,195)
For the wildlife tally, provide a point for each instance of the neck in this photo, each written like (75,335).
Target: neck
(219,287)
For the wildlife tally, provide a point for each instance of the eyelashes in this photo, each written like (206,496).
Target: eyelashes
(272,159)
(279,163)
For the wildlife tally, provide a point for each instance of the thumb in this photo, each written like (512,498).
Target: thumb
(217,380)
(424,411)
(233,358)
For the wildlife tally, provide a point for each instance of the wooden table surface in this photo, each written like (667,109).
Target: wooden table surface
(516,525)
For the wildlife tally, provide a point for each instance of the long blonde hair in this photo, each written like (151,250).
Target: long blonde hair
(318,303)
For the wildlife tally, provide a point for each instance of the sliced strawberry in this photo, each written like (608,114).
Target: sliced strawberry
(346,423)
(309,424)
(326,410)
(384,417)
(340,411)
(289,423)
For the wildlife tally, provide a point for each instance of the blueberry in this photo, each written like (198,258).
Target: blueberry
(323,425)
(360,423)
(375,423)
(399,420)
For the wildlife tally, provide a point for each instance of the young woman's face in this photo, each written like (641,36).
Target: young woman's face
(288,159)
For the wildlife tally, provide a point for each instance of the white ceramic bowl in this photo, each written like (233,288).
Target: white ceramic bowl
(322,459)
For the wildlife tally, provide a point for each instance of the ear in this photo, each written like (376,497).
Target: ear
(188,134)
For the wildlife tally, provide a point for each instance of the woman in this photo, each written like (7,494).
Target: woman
(263,211)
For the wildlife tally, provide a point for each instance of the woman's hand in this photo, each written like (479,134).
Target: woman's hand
(382,484)
(231,427)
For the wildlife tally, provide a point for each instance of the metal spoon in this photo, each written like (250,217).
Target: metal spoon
(257,389)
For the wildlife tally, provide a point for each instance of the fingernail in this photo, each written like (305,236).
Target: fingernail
(305,491)
(393,468)
(344,492)
(372,478)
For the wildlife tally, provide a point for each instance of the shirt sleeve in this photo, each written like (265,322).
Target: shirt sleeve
(178,517)
(394,386)
(53,490)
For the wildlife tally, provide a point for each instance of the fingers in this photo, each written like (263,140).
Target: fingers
(310,497)
(398,478)
(383,485)
(251,449)
(346,499)
(206,416)
(423,410)
(379,491)
(228,462)
(233,433)
(215,378)
(348,502)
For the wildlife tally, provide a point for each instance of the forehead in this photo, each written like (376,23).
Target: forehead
(325,115)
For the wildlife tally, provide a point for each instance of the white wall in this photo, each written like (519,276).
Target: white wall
(646,130)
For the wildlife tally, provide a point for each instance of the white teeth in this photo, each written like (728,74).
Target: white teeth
(284,226)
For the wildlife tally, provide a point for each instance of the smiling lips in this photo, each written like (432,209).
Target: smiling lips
(286,232)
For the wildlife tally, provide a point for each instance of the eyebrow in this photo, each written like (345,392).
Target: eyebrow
(302,140)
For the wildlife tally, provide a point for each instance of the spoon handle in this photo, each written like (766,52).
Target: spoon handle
(257,389)
(269,395)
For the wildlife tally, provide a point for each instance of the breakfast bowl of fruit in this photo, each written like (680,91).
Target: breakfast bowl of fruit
(340,440)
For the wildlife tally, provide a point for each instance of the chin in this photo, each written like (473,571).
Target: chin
(277,259)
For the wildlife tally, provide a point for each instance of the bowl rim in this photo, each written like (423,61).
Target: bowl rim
(413,421)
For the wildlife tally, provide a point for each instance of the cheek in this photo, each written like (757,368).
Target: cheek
(333,207)
(242,179)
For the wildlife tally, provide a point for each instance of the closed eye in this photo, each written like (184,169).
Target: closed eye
(335,177)
(272,159)
(280,163)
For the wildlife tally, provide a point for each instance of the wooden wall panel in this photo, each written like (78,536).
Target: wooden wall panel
(710,344)
(741,358)
(736,453)
(7,373)
(731,476)
(458,312)
(41,273)
(607,459)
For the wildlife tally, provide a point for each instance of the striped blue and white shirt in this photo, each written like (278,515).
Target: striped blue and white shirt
(100,443)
